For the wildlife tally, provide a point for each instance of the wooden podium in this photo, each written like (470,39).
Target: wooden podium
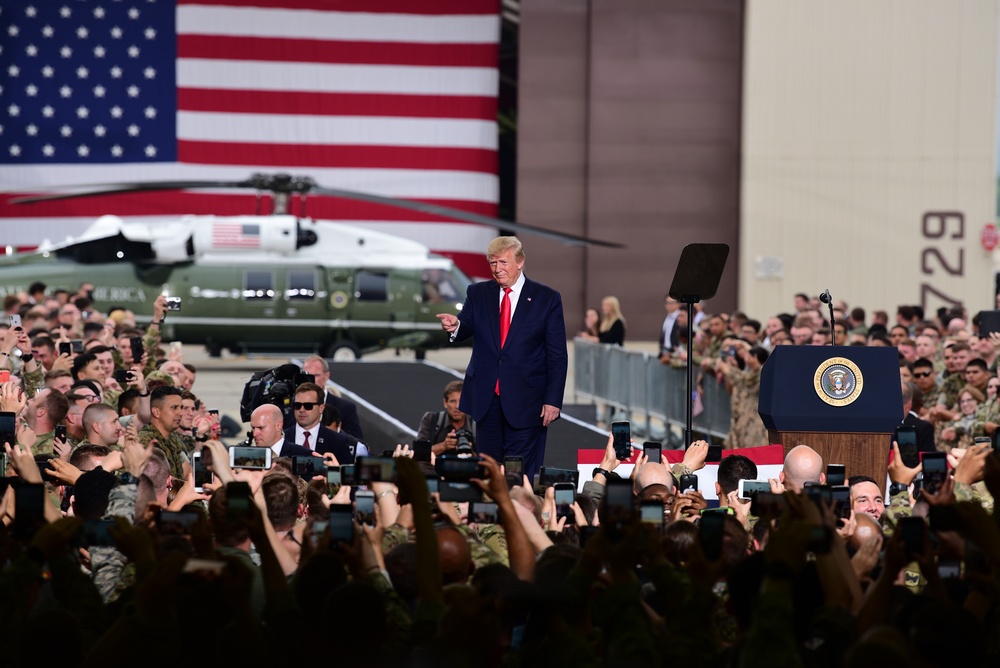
(842,401)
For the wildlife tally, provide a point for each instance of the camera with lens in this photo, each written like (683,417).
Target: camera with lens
(275,386)
(466,443)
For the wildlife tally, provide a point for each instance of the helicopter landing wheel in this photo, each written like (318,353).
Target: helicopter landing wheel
(214,349)
(420,353)
(343,351)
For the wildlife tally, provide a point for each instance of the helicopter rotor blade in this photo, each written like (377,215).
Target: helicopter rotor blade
(458,214)
(98,189)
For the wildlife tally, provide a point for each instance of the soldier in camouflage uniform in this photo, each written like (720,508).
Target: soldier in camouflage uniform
(988,413)
(42,413)
(925,378)
(165,407)
(954,380)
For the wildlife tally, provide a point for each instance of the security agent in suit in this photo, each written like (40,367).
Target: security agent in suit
(265,424)
(924,429)
(512,390)
(320,369)
(309,431)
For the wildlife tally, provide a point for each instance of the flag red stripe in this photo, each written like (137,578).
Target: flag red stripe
(358,157)
(177,202)
(278,49)
(428,7)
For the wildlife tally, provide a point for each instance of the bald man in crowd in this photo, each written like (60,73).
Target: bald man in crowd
(802,465)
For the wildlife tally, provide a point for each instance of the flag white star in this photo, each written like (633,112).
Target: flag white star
(47,31)
(65,52)
(82,112)
(30,11)
(66,131)
(15,150)
(14,110)
(116,111)
(31,90)
(82,150)
(65,91)
(47,111)
(47,71)
(133,91)
(149,73)
(99,51)
(150,151)
(116,72)
(1,129)
(116,32)
(48,150)
(99,12)
(133,13)
(100,130)
(150,112)
(99,91)
(13,70)
(12,30)
(32,129)
(133,51)
(116,151)
(82,73)
(31,50)
(150,33)
(65,12)
(82,32)
(133,130)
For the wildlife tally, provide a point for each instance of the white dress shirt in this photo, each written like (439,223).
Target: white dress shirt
(515,294)
(300,437)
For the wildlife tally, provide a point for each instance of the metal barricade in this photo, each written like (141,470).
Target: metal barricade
(637,383)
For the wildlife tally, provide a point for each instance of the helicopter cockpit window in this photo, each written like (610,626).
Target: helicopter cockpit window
(301,286)
(438,286)
(372,287)
(259,286)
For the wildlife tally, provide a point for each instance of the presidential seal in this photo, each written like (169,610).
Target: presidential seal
(838,381)
(338,299)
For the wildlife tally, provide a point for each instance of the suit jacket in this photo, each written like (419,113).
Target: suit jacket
(532,364)
(925,432)
(289,449)
(327,440)
(348,415)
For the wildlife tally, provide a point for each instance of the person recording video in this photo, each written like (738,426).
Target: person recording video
(445,428)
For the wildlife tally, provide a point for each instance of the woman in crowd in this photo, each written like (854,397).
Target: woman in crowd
(958,433)
(591,320)
(612,328)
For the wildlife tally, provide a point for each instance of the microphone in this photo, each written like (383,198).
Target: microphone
(828,300)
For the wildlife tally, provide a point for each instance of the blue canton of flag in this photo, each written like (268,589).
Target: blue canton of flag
(81,84)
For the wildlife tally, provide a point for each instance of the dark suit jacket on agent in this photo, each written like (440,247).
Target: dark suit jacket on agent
(348,415)
(925,432)
(531,366)
(327,440)
(289,449)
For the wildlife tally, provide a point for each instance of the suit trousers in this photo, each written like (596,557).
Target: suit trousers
(496,437)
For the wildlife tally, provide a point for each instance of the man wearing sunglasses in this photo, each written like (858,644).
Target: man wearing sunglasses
(308,430)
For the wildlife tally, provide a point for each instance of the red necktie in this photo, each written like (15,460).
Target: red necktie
(306,444)
(504,324)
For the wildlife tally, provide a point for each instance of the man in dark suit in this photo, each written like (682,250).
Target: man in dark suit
(308,430)
(320,369)
(265,423)
(924,429)
(515,380)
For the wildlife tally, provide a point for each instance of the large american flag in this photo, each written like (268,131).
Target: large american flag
(392,97)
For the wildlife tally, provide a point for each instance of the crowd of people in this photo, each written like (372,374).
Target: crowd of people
(131,532)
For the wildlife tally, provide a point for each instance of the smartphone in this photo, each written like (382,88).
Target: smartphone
(364,507)
(935,470)
(202,475)
(374,469)
(714,454)
(912,530)
(819,494)
(29,511)
(4,375)
(747,489)
(481,512)
(618,495)
(983,439)
(347,475)
(241,457)
(59,432)
(710,528)
(14,320)
(307,467)
(173,303)
(549,476)
(687,483)
(949,568)
(565,496)
(333,476)
(95,533)
(458,491)
(214,412)
(906,438)
(768,504)
(238,499)
(433,484)
(454,468)
(65,348)
(621,435)
(513,471)
(135,343)
(841,497)
(8,428)
(651,512)
(422,450)
(176,522)
(653,451)
(836,475)
(123,376)
(818,540)
(341,524)
(76,345)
